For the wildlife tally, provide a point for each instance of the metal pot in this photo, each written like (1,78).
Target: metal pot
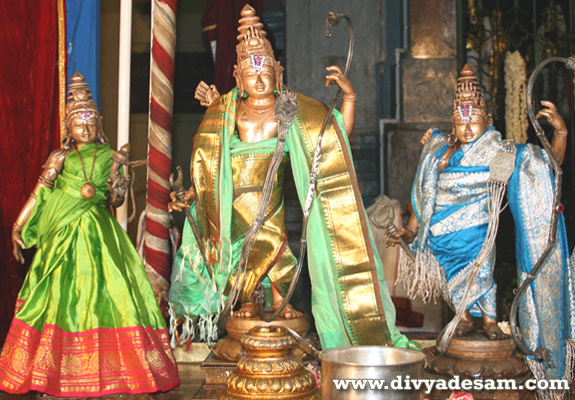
(388,369)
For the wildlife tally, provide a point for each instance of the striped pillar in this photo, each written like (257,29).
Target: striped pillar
(156,235)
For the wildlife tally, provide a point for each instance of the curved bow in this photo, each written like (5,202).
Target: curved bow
(541,354)
(331,19)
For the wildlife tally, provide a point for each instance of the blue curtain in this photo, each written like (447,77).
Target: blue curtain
(83,42)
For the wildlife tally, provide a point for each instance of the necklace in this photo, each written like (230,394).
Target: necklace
(259,109)
(88,189)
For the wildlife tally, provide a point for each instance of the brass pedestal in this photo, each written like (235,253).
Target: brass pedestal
(476,357)
(143,396)
(229,348)
(268,370)
(222,361)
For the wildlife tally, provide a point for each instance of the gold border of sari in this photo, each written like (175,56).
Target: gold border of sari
(137,360)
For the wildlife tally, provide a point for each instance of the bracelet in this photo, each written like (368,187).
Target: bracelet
(350,97)
(561,133)
(412,229)
(46,182)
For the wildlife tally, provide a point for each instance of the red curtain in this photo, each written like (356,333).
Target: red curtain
(29,123)
(220,23)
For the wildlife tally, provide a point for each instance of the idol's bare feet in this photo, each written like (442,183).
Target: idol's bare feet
(491,329)
(465,325)
(289,312)
(247,310)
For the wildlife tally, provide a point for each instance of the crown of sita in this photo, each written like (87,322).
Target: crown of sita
(80,99)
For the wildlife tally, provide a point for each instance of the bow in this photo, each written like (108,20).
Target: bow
(331,19)
(541,354)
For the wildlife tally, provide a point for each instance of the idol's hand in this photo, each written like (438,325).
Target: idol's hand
(117,183)
(340,79)
(349,97)
(559,142)
(17,243)
(553,117)
(118,188)
(177,205)
(407,234)
(207,95)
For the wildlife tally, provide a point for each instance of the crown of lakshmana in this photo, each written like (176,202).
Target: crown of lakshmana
(80,99)
(468,96)
(253,49)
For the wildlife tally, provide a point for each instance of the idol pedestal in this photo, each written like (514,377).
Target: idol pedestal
(221,363)
(477,357)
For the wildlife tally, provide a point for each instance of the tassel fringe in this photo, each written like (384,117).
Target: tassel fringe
(203,328)
(569,372)
(538,372)
(172,329)
(423,277)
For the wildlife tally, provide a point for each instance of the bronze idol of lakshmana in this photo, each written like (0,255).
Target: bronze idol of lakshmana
(457,197)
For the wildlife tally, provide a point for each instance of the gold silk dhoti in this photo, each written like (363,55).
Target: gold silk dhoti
(271,254)
(350,301)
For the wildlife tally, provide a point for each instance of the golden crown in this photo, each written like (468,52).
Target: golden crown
(80,98)
(468,92)
(253,48)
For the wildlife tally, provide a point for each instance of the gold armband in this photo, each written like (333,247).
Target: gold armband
(52,168)
(48,177)
(350,97)
(561,133)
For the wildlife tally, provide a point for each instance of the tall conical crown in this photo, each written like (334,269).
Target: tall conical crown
(80,101)
(468,91)
(79,97)
(253,48)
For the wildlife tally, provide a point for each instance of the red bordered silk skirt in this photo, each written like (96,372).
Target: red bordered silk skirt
(87,322)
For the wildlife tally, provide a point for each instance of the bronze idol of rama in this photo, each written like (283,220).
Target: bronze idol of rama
(240,152)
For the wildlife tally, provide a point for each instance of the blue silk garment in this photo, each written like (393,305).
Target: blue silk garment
(546,310)
(451,208)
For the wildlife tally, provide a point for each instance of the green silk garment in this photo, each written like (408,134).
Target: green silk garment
(350,300)
(87,321)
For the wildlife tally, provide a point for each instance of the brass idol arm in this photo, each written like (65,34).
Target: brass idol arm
(52,169)
(118,184)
